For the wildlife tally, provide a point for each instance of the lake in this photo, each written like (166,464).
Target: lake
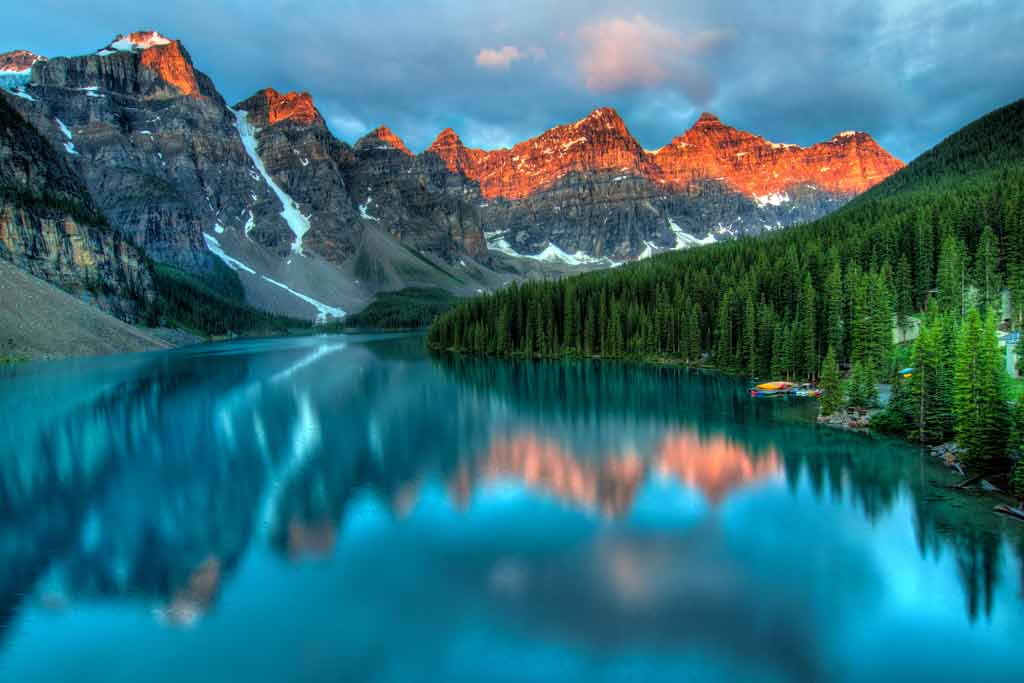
(349,508)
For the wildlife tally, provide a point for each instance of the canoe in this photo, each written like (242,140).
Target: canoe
(774,386)
(768,392)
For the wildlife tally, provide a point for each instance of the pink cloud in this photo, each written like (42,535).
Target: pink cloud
(621,54)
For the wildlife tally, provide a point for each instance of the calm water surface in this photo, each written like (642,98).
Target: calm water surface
(351,509)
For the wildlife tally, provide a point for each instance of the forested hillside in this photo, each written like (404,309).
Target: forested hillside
(948,227)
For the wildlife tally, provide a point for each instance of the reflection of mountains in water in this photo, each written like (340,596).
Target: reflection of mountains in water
(871,473)
(155,488)
(609,484)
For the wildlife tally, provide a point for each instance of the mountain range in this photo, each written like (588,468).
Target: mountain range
(127,157)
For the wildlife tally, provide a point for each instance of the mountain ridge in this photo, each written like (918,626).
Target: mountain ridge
(265,189)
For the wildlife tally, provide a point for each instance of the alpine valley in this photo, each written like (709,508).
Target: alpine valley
(124,174)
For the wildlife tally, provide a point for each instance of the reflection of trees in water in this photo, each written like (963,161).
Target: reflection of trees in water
(873,474)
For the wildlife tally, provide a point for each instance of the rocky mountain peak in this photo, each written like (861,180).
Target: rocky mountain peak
(708,119)
(136,42)
(446,138)
(603,117)
(383,134)
(18,60)
(159,54)
(269,107)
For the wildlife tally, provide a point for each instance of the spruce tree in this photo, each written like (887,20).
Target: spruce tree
(979,397)
(986,271)
(831,384)
(863,393)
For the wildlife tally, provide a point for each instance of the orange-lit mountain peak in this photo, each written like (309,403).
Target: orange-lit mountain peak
(388,137)
(849,163)
(18,60)
(268,107)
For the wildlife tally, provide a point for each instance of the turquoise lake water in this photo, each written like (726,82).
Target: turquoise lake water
(353,509)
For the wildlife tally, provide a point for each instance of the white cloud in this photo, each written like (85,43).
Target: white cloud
(503,57)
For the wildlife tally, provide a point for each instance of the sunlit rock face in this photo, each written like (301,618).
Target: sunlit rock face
(599,142)
(18,60)
(154,143)
(848,164)
(591,190)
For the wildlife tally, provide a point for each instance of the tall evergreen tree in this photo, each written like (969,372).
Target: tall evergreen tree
(986,270)
(980,395)
(831,384)
(863,392)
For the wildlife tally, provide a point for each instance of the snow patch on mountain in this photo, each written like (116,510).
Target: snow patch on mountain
(68,146)
(363,210)
(14,82)
(134,42)
(324,311)
(297,222)
(552,253)
(685,240)
(773,199)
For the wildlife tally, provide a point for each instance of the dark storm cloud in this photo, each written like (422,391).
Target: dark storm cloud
(799,71)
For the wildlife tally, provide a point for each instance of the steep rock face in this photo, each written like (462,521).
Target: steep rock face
(306,161)
(416,198)
(848,164)
(587,192)
(599,142)
(156,146)
(50,226)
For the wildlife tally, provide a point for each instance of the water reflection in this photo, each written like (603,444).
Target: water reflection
(600,504)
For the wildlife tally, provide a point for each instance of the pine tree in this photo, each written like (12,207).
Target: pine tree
(1017,482)
(834,309)
(904,291)
(952,277)
(807,332)
(863,392)
(931,386)
(831,384)
(979,396)
(986,270)
(750,337)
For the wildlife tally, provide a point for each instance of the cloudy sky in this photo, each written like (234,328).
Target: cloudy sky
(907,71)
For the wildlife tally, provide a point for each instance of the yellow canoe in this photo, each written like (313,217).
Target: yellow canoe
(774,386)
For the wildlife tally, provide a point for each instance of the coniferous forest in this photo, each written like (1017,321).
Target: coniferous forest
(940,245)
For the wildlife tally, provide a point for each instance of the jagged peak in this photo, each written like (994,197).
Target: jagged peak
(851,136)
(136,41)
(602,117)
(446,138)
(274,107)
(18,60)
(387,136)
(707,118)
